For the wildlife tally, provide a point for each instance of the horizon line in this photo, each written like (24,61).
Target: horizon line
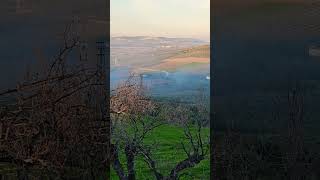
(171,37)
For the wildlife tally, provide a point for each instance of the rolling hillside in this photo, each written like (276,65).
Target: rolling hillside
(202,51)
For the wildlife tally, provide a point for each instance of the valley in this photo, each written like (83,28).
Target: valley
(169,67)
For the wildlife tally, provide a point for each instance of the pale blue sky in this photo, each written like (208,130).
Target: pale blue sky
(170,18)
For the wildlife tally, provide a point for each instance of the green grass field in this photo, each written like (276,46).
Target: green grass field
(169,152)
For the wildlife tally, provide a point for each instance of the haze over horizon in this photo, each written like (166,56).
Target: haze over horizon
(166,18)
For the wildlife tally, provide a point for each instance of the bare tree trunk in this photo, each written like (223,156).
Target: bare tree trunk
(116,163)
(130,153)
(187,163)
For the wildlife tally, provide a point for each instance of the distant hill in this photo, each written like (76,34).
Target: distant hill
(202,51)
(156,42)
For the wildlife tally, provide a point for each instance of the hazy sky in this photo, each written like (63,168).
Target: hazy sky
(170,18)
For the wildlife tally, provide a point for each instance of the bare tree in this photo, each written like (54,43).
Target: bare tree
(276,155)
(134,117)
(53,122)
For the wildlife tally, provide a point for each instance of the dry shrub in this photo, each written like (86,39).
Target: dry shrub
(55,121)
(129,98)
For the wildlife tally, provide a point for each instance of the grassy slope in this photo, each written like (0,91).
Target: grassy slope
(198,51)
(168,154)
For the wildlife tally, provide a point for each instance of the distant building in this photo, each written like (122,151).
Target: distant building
(165,46)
